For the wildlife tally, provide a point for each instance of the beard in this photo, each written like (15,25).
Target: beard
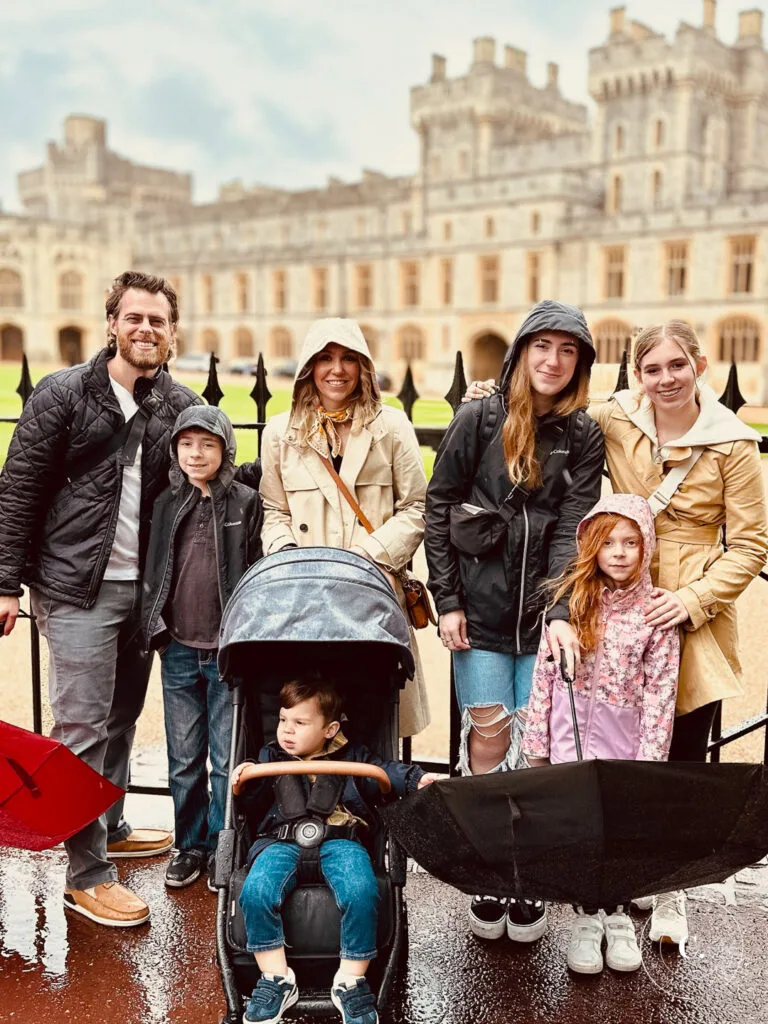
(139,360)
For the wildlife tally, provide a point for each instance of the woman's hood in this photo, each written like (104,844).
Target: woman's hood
(212,419)
(633,507)
(716,423)
(341,331)
(549,315)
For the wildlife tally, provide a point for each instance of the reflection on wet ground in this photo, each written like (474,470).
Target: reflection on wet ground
(57,968)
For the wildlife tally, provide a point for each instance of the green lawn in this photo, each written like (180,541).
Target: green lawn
(237,404)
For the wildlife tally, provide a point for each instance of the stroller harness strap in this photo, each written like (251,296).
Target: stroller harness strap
(295,799)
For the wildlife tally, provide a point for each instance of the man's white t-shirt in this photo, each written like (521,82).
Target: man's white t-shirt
(123,561)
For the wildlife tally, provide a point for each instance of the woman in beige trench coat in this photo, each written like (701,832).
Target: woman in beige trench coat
(336,413)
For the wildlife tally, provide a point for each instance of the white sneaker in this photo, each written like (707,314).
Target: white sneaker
(487,916)
(621,950)
(584,948)
(668,921)
(643,902)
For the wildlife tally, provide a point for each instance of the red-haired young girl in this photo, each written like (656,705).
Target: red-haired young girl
(625,684)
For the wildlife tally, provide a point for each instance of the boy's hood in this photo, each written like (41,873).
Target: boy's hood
(633,507)
(212,419)
(549,315)
(336,329)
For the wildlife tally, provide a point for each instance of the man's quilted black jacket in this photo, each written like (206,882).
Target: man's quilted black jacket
(55,534)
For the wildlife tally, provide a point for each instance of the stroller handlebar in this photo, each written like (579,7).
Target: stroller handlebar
(259,771)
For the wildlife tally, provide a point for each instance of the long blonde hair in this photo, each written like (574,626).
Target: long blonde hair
(519,432)
(584,581)
(306,399)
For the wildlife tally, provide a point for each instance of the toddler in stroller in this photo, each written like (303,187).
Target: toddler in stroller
(318,821)
(298,617)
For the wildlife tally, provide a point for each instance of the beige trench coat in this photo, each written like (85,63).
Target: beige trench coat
(383,469)
(724,488)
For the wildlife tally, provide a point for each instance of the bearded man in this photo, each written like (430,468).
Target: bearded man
(88,458)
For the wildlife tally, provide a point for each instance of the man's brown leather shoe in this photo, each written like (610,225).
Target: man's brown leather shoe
(110,903)
(142,842)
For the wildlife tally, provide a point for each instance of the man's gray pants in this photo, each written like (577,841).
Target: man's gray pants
(97,681)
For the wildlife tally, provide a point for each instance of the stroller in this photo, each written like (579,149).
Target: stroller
(303,611)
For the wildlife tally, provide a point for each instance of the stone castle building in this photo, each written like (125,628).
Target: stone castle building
(653,207)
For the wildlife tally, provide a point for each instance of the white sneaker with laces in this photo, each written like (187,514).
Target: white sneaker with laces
(584,949)
(668,921)
(621,949)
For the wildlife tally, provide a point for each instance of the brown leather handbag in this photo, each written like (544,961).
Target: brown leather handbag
(417,602)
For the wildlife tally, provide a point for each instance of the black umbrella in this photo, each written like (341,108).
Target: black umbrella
(591,833)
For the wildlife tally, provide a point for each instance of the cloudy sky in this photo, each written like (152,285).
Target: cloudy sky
(280,94)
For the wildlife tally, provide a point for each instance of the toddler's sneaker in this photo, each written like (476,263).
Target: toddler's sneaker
(273,995)
(526,919)
(668,921)
(355,1001)
(487,916)
(621,949)
(584,949)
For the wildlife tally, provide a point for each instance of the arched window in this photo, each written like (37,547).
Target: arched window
(612,338)
(281,343)
(411,345)
(657,189)
(739,340)
(70,290)
(11,290)
(209,341)
(371,336)
(243,342)
(618,139)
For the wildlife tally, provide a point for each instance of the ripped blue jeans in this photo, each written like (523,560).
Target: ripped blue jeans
(485,679)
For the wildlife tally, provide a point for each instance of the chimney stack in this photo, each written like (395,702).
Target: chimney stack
(751,25)
(515,59)
(708,16)
(484,50)
(552,70)
(438,68)
(617,20)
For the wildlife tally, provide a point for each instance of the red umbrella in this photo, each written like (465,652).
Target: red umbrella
(46,792)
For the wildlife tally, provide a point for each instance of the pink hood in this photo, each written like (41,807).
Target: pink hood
(633,507)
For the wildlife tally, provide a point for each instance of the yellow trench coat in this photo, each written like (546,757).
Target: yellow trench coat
(724,488)
(383,469)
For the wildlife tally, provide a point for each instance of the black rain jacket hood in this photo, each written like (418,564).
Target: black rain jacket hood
(549,315)
(212,419)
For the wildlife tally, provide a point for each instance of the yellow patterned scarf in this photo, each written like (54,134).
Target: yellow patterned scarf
(323,436)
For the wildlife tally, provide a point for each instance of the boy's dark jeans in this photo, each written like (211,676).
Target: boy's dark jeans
(348,871)
(198,720)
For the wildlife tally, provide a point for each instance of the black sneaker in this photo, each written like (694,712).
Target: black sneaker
(487,915)
(526,919)
(185,868)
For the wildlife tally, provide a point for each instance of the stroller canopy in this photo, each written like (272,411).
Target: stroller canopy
(307,609)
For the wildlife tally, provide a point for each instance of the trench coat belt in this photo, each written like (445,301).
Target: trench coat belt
(705,535)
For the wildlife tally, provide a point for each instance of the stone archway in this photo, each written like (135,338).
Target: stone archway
(11,342)
(486,356)
(71,345)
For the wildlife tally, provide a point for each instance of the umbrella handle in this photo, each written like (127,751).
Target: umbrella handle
(259,771)
(569,682)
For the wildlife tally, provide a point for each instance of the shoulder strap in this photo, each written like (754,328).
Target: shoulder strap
(128,437)
(361,516)
(579,433)
(668,487)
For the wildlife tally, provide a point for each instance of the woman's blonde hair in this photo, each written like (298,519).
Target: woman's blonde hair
(306,398)
(584,580)
(673,330)
(519,432)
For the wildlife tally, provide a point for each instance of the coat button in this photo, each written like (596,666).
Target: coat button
(303,527)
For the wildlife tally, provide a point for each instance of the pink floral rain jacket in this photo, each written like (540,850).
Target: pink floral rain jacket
(625,690)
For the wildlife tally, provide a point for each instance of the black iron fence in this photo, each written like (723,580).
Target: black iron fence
(429,437)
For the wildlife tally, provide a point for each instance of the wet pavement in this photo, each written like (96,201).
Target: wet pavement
(54,968)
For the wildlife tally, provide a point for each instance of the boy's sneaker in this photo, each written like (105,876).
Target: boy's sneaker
(273,995)
(185,868)
(668,921)
(621,949)
(487,916)
(355,1002)
(526,919)
(643,903)
(584,948)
